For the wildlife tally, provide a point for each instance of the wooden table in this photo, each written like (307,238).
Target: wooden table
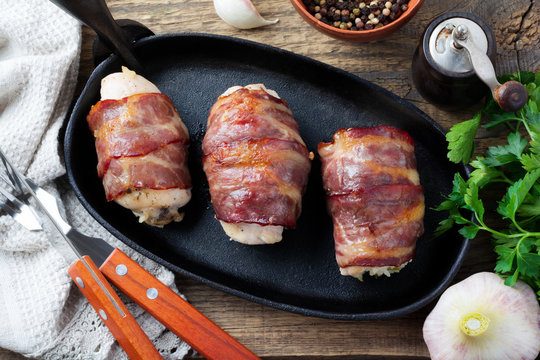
(275,334)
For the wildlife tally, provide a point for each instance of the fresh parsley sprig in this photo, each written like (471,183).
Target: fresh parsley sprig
(514,166)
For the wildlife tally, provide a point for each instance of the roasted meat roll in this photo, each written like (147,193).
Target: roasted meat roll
(142,148)
(256,163)
(375,199)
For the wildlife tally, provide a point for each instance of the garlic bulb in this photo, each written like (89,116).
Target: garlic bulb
(241,14)
(481,318)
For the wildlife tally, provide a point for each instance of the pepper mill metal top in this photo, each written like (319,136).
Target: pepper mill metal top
(453,57)
(444,51)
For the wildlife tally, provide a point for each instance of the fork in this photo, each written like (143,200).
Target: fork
(161,302)
(19,210)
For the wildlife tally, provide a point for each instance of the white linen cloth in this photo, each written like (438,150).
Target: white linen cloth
(42,314)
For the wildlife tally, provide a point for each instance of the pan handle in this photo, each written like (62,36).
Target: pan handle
(96,15)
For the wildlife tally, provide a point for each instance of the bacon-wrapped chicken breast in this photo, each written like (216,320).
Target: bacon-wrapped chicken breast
(142,148)
(256,163)
(375,198)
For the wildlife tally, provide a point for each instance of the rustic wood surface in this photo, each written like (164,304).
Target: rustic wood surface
(275,334)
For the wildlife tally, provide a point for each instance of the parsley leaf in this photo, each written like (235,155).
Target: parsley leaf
(515,165)
(516,194)
(461,139)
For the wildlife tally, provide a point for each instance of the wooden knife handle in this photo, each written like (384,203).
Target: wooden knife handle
(171,310)
(118,319)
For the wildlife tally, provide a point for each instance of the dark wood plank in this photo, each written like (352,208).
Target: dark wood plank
(274,334)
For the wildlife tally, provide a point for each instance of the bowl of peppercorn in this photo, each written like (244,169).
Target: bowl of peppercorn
(357,20)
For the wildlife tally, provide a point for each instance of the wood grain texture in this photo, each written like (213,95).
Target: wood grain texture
(275,334)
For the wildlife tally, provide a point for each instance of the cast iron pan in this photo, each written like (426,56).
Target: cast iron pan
(300,273)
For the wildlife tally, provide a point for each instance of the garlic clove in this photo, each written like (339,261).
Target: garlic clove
(241,14)
(481,318)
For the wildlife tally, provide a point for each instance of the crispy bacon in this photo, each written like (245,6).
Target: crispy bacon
(255,161)
(141,143)
(374,197)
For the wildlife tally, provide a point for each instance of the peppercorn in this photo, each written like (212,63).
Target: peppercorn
(356,15)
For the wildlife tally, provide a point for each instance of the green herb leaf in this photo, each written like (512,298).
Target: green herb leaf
(516,194)
(505,259)
(469,231)
(443,227)
(527,262)
(498,119)
(461,139)
(502,155)
(517,238)
(530,162)
(530,209)
(516,144)
(473,202)
(484,174)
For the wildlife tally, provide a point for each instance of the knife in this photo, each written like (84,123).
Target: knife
(97,260)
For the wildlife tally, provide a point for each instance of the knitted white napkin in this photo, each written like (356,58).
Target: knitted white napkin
(42,313)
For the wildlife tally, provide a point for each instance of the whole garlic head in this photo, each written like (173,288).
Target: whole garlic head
(481,318)
(241,14)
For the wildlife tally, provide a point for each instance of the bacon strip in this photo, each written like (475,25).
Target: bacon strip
(255,161)
(374,196)
(141,143)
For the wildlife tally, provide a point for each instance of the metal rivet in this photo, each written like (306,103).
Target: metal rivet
(152,293)
(462,32)
(102,314)
(121,269)
(79,282)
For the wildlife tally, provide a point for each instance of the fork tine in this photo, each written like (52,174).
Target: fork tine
(17,206)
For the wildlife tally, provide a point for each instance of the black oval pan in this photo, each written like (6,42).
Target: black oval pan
(300,273)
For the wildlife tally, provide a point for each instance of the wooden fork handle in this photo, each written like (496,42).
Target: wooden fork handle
(171,310)
(118,319)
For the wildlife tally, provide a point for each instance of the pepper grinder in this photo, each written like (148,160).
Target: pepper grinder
(453,64)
